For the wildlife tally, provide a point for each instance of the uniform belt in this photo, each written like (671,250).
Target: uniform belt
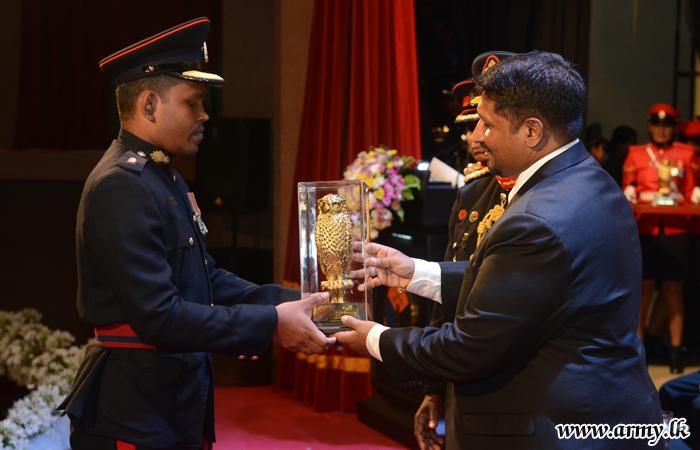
(206,445)
(120,335)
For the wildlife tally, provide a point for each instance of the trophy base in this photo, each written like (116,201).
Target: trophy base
(327,316)
(664,200)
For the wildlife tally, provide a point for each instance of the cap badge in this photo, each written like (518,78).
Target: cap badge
(473,216)
(462,214)
(490,61)
(159,157)
(206,52)
(662,114)
(132,160)
(474,99)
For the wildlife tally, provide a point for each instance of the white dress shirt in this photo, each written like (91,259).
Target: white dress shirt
(427,275)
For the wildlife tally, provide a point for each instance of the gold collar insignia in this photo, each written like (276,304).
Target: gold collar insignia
(158,157)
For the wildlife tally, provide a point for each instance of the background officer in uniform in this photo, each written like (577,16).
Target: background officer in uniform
(665,240)
(158,303)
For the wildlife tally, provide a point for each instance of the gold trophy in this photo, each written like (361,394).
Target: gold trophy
(666,174)
(333,228)
(334,242)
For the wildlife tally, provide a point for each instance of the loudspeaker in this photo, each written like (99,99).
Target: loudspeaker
(234,166)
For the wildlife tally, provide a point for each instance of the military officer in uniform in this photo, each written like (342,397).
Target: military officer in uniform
(474,209)
(481,192)
(157,301)
(665,240)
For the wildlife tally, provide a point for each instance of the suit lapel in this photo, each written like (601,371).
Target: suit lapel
(570,157)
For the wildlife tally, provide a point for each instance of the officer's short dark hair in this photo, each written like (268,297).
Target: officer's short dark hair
(128,92)
(537,84)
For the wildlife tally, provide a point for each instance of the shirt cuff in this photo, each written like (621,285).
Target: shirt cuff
(373,340)
(426,280)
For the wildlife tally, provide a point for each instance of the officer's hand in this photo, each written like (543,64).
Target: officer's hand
(295,331)
(385,266)
(426,420)
(695,195)
(356,339)
(631,194)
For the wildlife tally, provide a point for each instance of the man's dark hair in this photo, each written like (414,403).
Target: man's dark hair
(537,84)
(127,93)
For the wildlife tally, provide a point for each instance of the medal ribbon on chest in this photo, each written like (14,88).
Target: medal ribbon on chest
(197,214)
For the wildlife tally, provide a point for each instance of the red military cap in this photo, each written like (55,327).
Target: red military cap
(180,51)
(690,129)
(462,92)
(663,113)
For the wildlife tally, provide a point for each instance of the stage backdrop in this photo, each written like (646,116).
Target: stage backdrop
(361,91)
(65,101)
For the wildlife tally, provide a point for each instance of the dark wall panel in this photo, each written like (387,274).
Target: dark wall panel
(37,262)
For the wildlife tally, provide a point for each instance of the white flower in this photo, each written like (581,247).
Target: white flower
(377,182)
(45,361)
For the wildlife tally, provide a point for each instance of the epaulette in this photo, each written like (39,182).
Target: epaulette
(474,171)
(132,161)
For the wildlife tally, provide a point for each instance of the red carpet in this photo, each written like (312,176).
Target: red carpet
(271,418)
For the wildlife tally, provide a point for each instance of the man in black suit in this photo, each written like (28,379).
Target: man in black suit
(146,283)
(547,310)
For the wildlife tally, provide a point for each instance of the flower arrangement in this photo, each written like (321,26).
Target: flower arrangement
(41,359)
(382,169)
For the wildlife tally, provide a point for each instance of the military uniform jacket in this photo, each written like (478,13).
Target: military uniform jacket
(547,318)
(474,200)
(142,260)
(639,170)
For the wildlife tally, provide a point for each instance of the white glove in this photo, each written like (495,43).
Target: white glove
(631,193)
(695,195)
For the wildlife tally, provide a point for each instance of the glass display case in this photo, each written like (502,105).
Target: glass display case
(333,229)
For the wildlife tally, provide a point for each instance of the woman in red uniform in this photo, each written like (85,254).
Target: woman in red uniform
(664,238)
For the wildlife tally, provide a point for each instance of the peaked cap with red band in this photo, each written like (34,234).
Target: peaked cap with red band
(180,51)
(462,93)
(484,61)
(663,113)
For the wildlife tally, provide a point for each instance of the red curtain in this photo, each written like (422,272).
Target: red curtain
(64,98)
(361,91)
